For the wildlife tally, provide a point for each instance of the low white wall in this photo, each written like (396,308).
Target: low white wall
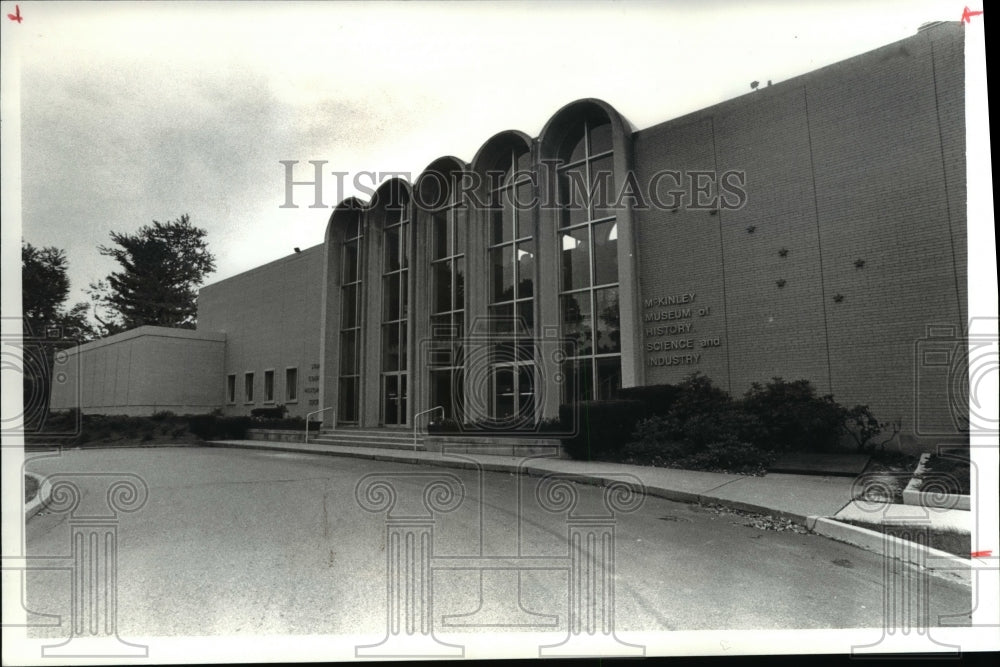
(142,371)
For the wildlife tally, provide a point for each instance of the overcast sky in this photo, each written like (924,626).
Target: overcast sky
(133,113)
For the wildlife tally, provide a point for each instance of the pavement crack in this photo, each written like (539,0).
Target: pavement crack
(716,488)
(326,520)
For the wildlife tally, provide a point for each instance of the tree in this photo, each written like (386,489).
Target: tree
(47,326)
(163,266)
(44,290)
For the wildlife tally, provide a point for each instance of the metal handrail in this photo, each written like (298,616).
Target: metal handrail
(316,412)
(436,407)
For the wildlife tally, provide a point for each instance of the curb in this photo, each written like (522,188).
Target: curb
(934,561)
(34,449)
(33,506)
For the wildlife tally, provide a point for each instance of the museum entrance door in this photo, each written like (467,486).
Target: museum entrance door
(393,399)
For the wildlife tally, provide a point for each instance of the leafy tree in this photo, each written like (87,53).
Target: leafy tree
(162,267)
(47,326)
(44,290)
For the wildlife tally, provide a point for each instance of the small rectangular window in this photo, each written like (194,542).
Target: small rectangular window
(269,386)
(291,384)
(231,388)
(248,387)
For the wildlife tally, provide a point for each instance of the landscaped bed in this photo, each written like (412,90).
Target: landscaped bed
(947,472)
(887,475)
(70,429)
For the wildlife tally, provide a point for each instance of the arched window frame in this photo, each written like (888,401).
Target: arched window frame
(391,216)
(445,214)
(505,166)
(555,145)
(344,316)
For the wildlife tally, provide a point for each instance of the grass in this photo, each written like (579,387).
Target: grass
(951,541)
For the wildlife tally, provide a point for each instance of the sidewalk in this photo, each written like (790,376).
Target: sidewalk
(810,500)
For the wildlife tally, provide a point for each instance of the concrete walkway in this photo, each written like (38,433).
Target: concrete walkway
(812,501)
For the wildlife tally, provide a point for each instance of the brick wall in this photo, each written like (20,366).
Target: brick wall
(862,161)
(271,318)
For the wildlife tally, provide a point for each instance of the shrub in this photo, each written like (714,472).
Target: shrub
(862,427)
(792,417)
(728,456)
(701,413)
(604,429)
(664,453)
(696,395)
(162,415)
(659,398)
(654,430)
(127,426)
(659,441)
(655,442)
(213,427)
(203,426)
(729,423)
(696,424)
(276,412)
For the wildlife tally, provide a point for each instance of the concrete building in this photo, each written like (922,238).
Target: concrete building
(813,229)
(141,372)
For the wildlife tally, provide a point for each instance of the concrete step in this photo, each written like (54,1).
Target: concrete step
(393,433)
(374,438)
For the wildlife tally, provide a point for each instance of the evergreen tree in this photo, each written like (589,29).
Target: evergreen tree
(162,267)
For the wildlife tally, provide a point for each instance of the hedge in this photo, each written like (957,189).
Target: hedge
(696,424)
(602,428)
(214,427)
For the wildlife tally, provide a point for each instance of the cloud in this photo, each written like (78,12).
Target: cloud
(138,112)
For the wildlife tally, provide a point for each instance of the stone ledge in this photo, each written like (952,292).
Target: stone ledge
(513,446)
(276,435)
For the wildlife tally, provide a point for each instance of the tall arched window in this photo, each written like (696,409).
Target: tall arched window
(511,253)
(350,321)
(447,256)
(588,249)
(395,307)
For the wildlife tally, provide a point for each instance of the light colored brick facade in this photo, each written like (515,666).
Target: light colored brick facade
(828,235)
(271,318)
